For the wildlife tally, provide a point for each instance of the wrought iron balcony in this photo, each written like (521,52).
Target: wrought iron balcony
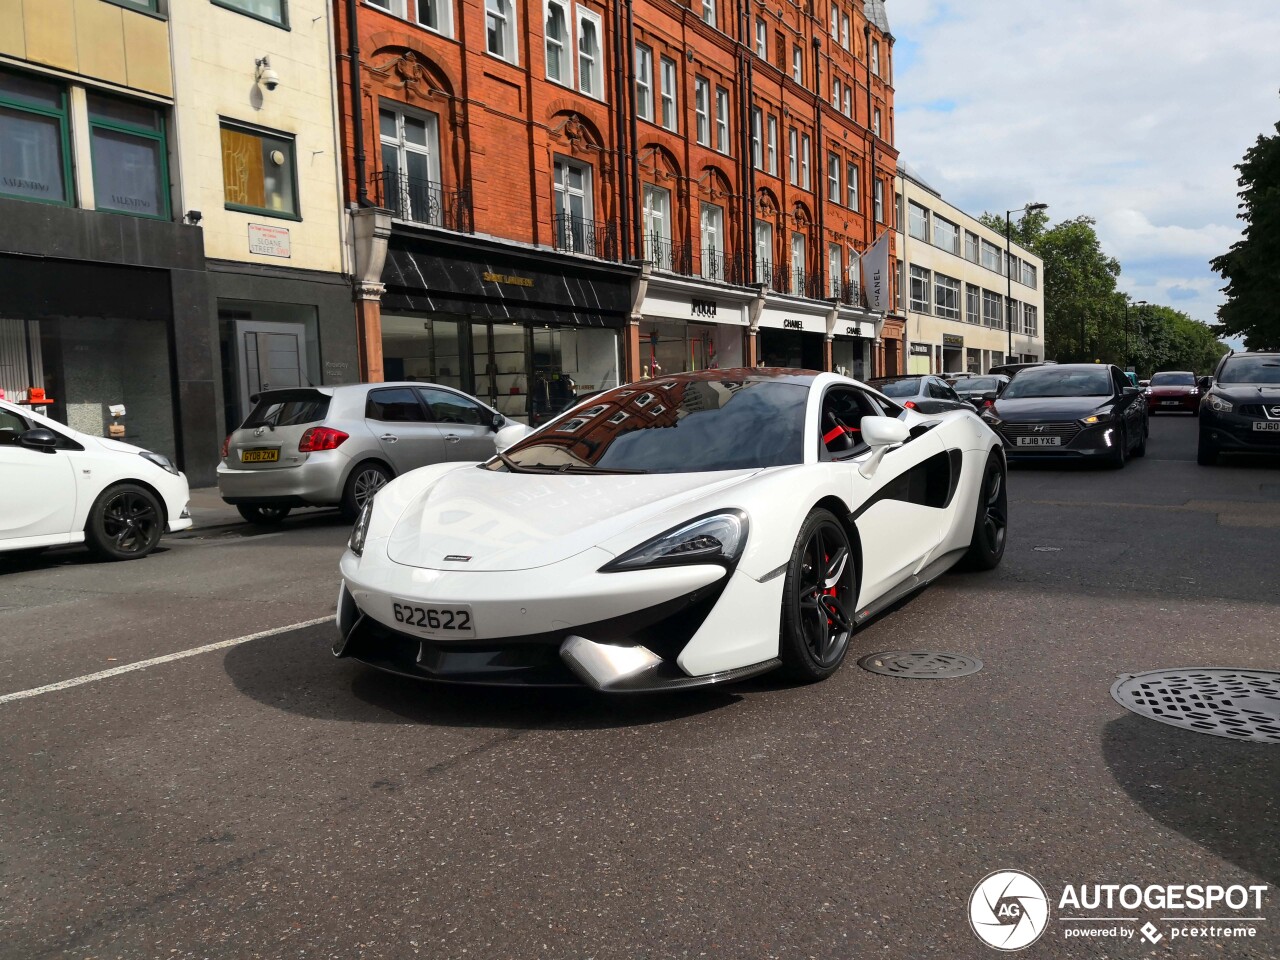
(713,264)
(423,201)
(594,238)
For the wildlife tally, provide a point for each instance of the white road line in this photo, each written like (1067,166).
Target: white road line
(155,661)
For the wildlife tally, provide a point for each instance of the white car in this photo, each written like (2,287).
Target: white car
(672,533)
(62,486)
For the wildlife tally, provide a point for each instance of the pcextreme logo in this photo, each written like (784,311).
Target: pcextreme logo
(1008,910)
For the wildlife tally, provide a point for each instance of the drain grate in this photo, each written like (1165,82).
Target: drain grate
(920,664)
(1232,703)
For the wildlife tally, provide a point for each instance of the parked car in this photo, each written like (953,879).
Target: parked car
(1171,391)
(684,532)
(927,394)
(1144,383)
(62,486)
(1010,369)
(338,445)
(974,390)
(1240,412)
(1071,410)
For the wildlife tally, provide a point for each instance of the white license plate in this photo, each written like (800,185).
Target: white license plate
(1039,441)
(452,621)
(1170,403)
(1268,425)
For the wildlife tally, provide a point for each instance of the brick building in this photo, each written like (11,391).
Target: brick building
(552,197)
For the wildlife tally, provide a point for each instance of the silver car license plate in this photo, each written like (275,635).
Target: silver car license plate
(443,621)
(1039,441)
(1268,425)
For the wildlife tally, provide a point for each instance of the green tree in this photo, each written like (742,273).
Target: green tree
(1252,266)
(1167,339)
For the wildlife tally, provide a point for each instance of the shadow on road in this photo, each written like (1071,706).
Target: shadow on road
(1223,794)
(295,672)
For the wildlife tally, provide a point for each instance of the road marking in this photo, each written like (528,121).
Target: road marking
(156,661)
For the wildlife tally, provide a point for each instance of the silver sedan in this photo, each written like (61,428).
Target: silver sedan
(337,445)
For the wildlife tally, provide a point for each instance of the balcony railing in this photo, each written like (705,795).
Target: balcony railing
(595,238)
(423,201)
(713,264)
(843,291)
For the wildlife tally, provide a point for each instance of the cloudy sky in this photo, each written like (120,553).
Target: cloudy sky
(1133,112)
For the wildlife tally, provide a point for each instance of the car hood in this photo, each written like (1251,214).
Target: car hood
(518,521)
(1034,409)
(1248,392)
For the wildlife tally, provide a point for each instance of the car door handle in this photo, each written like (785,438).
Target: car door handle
(452,437)
(389,437)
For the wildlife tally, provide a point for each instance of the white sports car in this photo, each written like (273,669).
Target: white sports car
(679,532)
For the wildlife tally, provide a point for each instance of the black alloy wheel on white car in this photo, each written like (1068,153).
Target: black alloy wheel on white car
(991,520)
(817,599)
(125,524)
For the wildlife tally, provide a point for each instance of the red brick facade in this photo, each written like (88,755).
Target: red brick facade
(502,125)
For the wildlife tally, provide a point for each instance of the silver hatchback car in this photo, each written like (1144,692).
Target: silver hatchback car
(325,446)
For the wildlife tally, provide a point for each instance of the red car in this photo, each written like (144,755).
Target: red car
(1173,391)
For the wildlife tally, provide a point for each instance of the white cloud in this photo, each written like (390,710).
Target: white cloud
(1130,111)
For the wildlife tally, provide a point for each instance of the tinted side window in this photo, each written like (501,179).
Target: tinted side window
(12,426)
(446,407)
(396,405)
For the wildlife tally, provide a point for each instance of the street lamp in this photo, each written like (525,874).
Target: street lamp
(1128,344)
(1008,273)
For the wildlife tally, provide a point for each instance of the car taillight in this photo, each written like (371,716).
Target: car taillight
(321,438)
(910,404)
(226,446)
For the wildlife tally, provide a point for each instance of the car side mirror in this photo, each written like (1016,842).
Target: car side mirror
(39,438)
(1204,383)
(1132,391)
(881,434)
(991,396)
(498,422)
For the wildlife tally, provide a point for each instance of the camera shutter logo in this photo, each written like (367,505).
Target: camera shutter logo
(1008,910)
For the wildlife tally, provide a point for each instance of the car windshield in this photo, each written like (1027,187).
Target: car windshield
(1173,380)
(1056,382)
(978,385)
(899,388)
(288,408)
(672,426)
(1251,370)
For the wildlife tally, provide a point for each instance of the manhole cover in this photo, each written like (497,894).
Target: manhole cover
(1237,704)
(920,664)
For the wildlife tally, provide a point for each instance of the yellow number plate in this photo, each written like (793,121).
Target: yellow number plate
(260,456)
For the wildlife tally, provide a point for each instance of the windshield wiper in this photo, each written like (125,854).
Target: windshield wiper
(588,468)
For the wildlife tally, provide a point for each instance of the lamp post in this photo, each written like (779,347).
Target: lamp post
(1008,274)
(1128,344)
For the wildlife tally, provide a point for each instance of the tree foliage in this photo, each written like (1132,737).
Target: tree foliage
(1252,266)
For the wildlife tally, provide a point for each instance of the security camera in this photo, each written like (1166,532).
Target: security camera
(266,76)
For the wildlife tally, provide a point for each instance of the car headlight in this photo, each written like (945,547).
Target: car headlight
(1102,416)
(716,538)
(361,529)
(1217,403)
(160,460)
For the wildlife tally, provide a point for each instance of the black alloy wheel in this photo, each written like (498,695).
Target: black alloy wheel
(365,480)
(126,523)
(817,599)
(991,520)
(263,515)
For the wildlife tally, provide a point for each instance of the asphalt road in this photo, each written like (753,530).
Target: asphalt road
(265,800)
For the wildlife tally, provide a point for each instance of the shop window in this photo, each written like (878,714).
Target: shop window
(500,30)
(272,11)
(258,172)
(130,160)
(410,165)
(35,155)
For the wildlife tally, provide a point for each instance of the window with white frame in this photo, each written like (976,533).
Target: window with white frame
(878,193)
(771,145)
(946,235)
(833,178)
(590,69)
(436,15)
(946,297)
(991,256)
(397,8)
(757,138)
(835,22)
(833,269)
(573,212)
(848,101)
(410,144)
(1029,274)
(670,100)
(709,11)
(762,37)
(712,228)
(851,184)
(972,304)
(971,246)
(1013,317)
(793,155)
(835,92)
(919,292)
(702,110)
(722,120)
(797,64)
(844,30)
(992,309)
(500,30)
(644,82)
(556,39)
(799,263)
(764,251)
(657,226)
(1030,320)
(918,221)
(875,57)
(875,121)
(804,161)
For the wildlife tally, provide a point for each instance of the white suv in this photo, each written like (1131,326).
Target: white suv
(58,486)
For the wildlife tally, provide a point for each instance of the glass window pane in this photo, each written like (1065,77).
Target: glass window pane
(387,124)
(123,112)
(415,130)
(258,171)
(272,10)
(127,173)
(32,90)
(31,163)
